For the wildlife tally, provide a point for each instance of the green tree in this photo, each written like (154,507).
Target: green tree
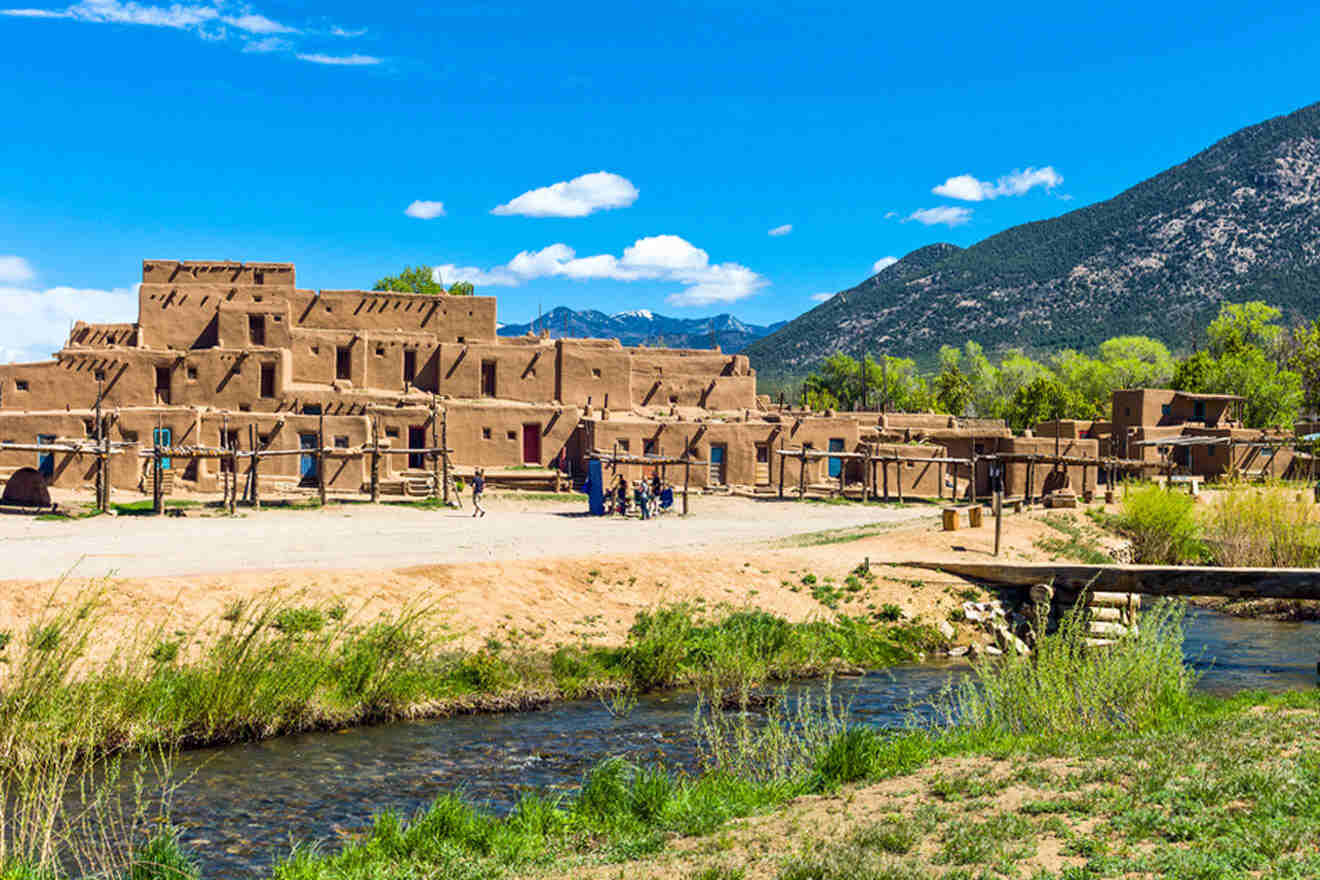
(1137,362)
(952,388)
(1243,326)
(421,279)
(1043,399)
(1305,361)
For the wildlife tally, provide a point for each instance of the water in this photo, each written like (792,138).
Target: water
(240,807)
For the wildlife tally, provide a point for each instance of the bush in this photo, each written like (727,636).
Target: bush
(293,621)
(1266,527)
(1162,526)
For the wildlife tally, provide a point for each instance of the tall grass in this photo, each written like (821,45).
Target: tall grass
(1267,526)
(1066,687)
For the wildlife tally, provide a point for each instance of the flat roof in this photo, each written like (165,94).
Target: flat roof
(1193,396)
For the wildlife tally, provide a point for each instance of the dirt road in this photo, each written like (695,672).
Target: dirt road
(365,537)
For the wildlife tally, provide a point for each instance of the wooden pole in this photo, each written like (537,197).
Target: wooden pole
(972,490)
(999,516)
(320,458)
(781,469)
(434,441)
(687,470)
(444,447)
(256,471)
(953,496)
(375,460)
(843,473)
(866,471)
(157,495)
(884,472)
(1031,476)
(802,475)
(939,481)
(233,475)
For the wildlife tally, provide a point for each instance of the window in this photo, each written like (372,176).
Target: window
(380,351)
(245,407)
(89,427)
(487,378)
(1166,409)
(623,445)
(341,443)
(343,362)
(192,374)
(648,447)
(163,385)
(257,329)
(129,436)
(595,372)
(1127,410)
(1198,411)
(511,435)
(462,339)
(392,432)
(267,381)
(258,277)
(264,440)
(20,385)
(673,399)
(311,409)
(485,433)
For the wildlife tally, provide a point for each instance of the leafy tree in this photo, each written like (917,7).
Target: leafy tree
(1305,361)
(1137,362)
(951,388)
(1044,399)
(421,279)
(838,384)
(1242,326)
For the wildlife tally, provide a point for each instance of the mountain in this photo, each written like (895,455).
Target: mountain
(1239,221)
(642,327)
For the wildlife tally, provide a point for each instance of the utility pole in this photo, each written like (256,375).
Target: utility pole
(884,383)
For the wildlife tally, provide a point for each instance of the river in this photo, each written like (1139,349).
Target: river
(240,807)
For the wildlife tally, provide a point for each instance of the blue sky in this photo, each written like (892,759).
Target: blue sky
(683,134)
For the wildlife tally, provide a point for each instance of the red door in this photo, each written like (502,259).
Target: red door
(531,444)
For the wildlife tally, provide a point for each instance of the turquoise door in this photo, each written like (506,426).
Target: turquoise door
(163,437)
(46,460)
(306,462)
(836,464)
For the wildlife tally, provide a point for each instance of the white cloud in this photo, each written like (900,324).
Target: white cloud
(15,270)
(781,230)
(214,20)
(822,297)
(578,197)
(667,258)
(946,214)
(967,188)
(259,24)
(425,210)
(339,60)
(883,263)
(39,320)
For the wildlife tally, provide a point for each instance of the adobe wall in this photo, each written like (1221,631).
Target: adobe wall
(71,471)
(1045,476)
(592,372)
(523,371)
(450,318)
(103,335)
(217,272)
(919,479)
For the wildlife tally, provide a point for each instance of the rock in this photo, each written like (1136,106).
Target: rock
(972,613)
(947,630)
(962,650)
(992,651)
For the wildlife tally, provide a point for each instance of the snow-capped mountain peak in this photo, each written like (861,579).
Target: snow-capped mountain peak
(644,314)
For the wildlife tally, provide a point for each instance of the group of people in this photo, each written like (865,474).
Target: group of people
(650,496)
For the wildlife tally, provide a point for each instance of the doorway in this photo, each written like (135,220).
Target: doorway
(762,464)
(718,451)
(409,366)
(416,440)
(267,380)
(257,330)
(46,460)
(836,464)
(163,386)
(531,453)
(307,461)
(343,362)
(487,378)
(163,437)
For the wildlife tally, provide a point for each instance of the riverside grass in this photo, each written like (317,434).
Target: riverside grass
(272,668)
(1268,525)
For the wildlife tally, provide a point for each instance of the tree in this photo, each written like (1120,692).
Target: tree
(1137,362)
(952,389)
(421,279)
(1305,361)
(838,384)
(1044,399)
(1242,326)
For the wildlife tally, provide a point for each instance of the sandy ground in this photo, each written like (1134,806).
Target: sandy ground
(556,578)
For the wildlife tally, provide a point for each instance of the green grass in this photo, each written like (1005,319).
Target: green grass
(1077,542)
(837,536)
(147,508)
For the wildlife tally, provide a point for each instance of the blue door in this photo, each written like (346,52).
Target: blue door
(307,463)
(46,460)
(836,464)
(163,437)
(717,464)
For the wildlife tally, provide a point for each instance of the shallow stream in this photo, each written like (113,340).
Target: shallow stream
(241,807)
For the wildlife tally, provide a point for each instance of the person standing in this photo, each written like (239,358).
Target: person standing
(478,489)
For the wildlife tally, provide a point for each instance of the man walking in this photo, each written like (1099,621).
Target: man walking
(478,489)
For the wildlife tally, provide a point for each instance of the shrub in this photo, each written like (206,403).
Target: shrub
(165,651)
(1162,526)
(294,621)
(1266,527)
(658,645)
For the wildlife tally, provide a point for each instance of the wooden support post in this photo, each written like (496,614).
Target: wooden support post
(999,517)
(233,477)
(884,473)
(939,481)
(157,493)
(971,492)
(444,446)
(435,443)
(256,470)
(687,470)
(782,461)
(1086,485)
(1031,480)
(843,474)
(898,478)
(320,458)
(866,467)
(103,467)
(802,475)
(375,460)
(953,494)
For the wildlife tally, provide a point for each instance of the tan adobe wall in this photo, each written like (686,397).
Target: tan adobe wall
(919,479)
(222,272)
(922,421)
(272,328)
(1044,476)
(592,373)
(71,471)
(687,378)
(521,372)
(1133,407)
(451,318)
(103,335)
(482,436)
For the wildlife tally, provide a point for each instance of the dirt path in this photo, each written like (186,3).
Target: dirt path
(362,537)
(529,595)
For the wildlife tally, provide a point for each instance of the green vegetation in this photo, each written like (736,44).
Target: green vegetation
(421,279)
(271,668)
(147,508)
(1079,542)
(1274,525)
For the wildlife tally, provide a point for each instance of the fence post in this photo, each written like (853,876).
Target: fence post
(157,495)
(435,457)
(320,458)
(375,459)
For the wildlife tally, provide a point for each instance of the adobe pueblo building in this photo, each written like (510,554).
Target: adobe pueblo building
(228,355)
